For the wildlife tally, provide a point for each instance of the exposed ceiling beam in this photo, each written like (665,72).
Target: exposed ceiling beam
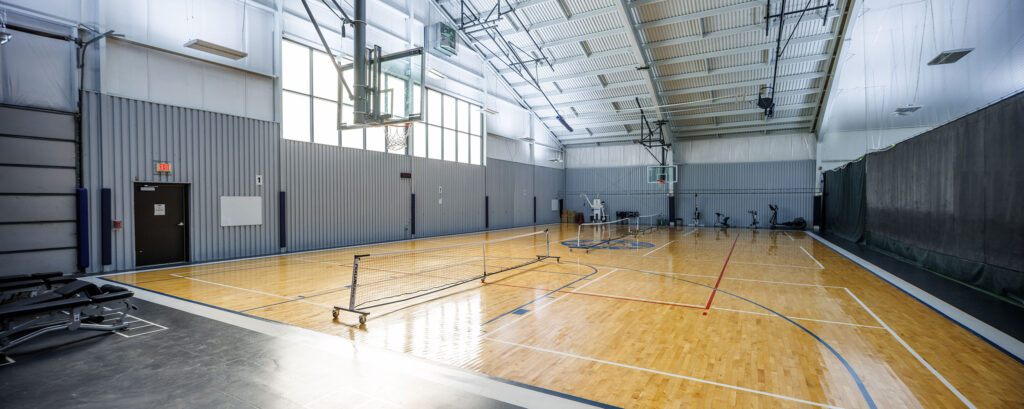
(701,14)
(695,57)
(740,84)
(741,50)
(743,111)
(592,88)
(723,33)
(552,22)
(627,18)
(741,68)
(685,128)
(619,139)
(751,129)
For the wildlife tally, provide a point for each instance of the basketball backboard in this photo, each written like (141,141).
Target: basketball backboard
(394,90)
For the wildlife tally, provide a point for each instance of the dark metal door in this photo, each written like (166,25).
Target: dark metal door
(161,224)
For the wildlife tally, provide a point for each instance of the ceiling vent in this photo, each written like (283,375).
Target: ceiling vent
(904,111)
(949,57)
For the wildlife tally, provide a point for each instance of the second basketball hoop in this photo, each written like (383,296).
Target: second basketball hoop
(396,136)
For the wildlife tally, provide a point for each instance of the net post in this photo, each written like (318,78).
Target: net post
(484,278)
(547,243)
(355,280)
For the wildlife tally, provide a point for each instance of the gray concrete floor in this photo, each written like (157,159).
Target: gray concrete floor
(202,363)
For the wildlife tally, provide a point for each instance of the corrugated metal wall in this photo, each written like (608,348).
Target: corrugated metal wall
(214,154)
(501,180)
(449,197)
(37,191)
(623,189)
(512,186)
(735,188)
(549,184)
(339,196)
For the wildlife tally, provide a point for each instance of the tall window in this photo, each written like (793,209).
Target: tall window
(309,99)
(453,130)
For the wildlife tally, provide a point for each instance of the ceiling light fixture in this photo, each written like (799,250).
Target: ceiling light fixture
(216,49)
(904,111)
(436,74)
(489,111)
(950,56)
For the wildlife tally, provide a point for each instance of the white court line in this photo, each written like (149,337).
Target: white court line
(255,291)
(787,235)
(1005,342)
(659,248)
(812,257)
(541,307)
(689,378)
(914,353)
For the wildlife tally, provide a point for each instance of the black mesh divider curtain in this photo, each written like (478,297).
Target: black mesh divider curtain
(950,200)
(844,204)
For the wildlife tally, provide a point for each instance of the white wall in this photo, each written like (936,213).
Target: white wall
(761,148)
(883,66)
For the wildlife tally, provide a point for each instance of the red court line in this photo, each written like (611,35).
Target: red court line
(597,295)
(720,275)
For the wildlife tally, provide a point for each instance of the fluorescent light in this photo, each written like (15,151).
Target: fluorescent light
(950,56)
(436,74)
(904,111)
(208,47)
(489,111)
(4,37)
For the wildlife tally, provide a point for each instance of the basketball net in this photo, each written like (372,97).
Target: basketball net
(396,136)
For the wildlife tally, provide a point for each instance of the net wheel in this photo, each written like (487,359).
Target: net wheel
(362,319)
(335,314)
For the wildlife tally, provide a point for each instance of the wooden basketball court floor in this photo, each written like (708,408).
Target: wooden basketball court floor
(697,318)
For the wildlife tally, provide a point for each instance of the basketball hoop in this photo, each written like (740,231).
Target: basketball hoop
(396,136)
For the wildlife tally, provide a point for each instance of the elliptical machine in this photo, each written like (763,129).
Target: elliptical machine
(796,224)
(720,221)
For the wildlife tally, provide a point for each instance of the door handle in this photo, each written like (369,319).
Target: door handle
(181,224)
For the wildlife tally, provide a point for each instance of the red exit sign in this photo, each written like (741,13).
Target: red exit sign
(163,167)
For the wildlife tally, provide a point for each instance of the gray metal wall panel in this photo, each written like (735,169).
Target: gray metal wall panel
(39,184)
(733,189)
(461,207)
(501,181)
(32,236)
(35,123)
(512,186)
(36,208)
(27,151)
(523,194)
(38,261)
(623,189)
(549,185)
(17,179)
(340,196)
(214,154)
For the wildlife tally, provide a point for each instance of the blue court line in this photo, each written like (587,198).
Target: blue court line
(541,297)
(860,385)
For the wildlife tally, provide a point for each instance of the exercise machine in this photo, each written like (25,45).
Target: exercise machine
(696,212)
(753,214)
(721,220)
(796,224)
(596,208)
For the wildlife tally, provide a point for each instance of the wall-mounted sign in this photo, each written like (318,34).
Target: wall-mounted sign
(159,210)
(162,168)
(447,40)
